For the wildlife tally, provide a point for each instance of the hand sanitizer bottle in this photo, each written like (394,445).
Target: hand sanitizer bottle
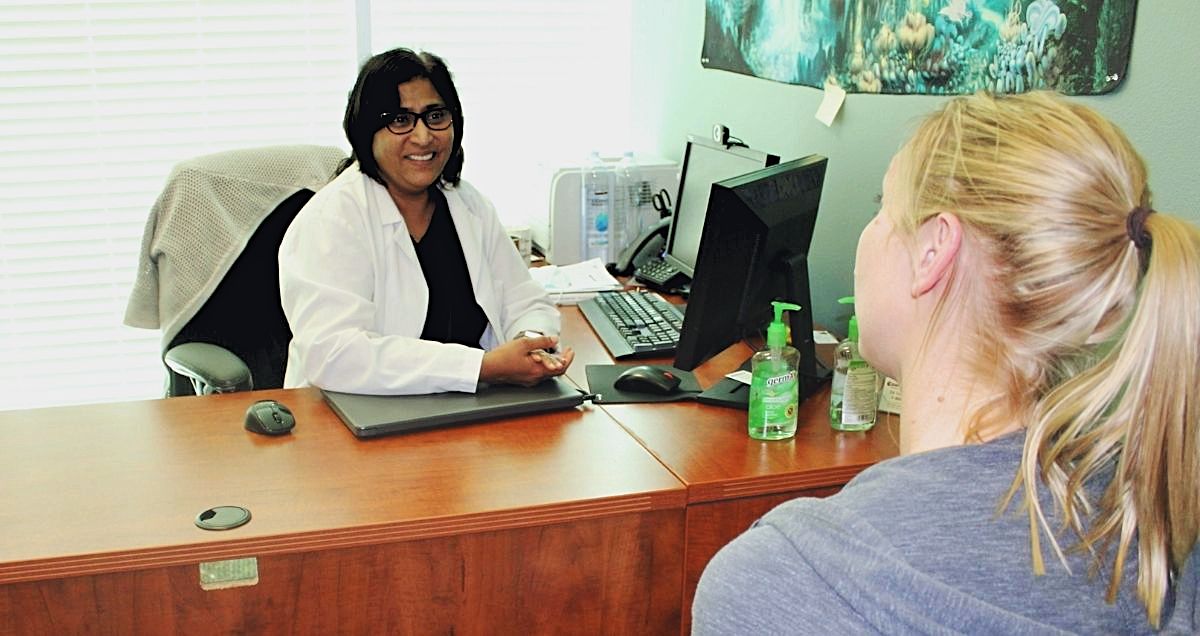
(774,383)
(853,398)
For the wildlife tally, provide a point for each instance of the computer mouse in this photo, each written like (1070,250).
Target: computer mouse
(269,417)
(647,379)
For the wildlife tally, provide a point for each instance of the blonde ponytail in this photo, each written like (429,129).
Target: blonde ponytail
(1097,327)
(1137,407)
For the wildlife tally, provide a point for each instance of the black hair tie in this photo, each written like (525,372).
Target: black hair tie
(1135,227)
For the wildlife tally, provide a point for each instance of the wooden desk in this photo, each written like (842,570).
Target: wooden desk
(553,523)
(731,479)
(565,522)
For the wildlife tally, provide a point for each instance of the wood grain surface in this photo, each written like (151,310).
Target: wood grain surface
(708,447)
(114,487)
(592,520)
(617,574)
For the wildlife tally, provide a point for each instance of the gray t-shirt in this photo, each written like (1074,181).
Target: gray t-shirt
(914,545)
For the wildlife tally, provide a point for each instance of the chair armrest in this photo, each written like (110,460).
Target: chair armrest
(212,369)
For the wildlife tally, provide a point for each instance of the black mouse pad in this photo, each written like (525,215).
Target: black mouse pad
(600,379)
(728,392)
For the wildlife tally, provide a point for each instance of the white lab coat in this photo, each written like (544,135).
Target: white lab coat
(355,297)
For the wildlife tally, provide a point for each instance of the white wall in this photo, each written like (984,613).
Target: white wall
(676,96)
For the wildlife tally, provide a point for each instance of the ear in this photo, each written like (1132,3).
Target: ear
(938,242)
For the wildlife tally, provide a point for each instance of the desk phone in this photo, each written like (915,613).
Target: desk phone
(658,274)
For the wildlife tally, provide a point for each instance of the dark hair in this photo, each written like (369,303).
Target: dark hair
(375,93)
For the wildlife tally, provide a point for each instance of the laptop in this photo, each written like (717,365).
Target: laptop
(374,415)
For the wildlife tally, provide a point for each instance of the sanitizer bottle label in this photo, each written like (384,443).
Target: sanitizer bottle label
(780,398)
(774,406)
(858,406)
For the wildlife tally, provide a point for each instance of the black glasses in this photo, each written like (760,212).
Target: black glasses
(403,123)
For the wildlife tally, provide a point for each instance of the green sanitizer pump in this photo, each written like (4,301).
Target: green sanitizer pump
(775,382)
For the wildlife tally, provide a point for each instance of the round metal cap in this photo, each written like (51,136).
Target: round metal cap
(222,518)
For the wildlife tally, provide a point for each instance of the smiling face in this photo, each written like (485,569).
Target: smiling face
(412,162)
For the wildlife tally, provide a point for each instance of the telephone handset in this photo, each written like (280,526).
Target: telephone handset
(644,259)
(644,248)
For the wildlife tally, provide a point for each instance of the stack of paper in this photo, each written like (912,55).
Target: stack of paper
(570,284)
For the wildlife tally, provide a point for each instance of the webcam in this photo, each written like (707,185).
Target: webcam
(720,134)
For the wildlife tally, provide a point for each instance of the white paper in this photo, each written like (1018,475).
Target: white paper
(740,375)
(569,284)
(831,104)
(820,336)
(564,298)
(889,396)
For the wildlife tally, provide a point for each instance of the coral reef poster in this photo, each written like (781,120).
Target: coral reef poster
(1077,47)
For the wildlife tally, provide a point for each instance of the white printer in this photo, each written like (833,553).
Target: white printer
(559,235)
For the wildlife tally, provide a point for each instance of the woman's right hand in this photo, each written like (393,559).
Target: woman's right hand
(524,361)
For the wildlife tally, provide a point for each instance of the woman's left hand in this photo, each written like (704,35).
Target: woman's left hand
(524,361)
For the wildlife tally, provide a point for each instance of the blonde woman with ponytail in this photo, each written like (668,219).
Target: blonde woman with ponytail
(1044,320)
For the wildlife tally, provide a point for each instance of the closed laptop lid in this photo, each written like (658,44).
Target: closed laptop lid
(372,415)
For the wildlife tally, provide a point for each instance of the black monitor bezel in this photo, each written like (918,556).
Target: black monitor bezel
(701,339)
(767,159)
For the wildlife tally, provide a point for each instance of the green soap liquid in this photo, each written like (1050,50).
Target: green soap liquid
(773,432)
(774,395)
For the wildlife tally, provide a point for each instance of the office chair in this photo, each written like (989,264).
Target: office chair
(208,277)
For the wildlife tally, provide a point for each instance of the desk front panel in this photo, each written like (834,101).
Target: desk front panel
(101,497)
(617,574)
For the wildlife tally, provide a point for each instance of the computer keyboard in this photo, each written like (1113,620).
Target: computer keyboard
(633,323)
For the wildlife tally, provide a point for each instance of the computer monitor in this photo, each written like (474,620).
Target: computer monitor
(754,249)
(704,162)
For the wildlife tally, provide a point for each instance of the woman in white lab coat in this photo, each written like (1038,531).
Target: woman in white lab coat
(398,277)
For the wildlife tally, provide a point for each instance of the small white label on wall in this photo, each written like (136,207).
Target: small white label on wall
(831,104)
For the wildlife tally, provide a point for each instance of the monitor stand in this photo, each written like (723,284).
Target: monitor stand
(727,392)
(795,273)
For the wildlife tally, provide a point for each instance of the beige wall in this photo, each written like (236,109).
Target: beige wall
(675,96)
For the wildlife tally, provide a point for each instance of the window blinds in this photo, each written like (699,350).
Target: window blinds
(97,101)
